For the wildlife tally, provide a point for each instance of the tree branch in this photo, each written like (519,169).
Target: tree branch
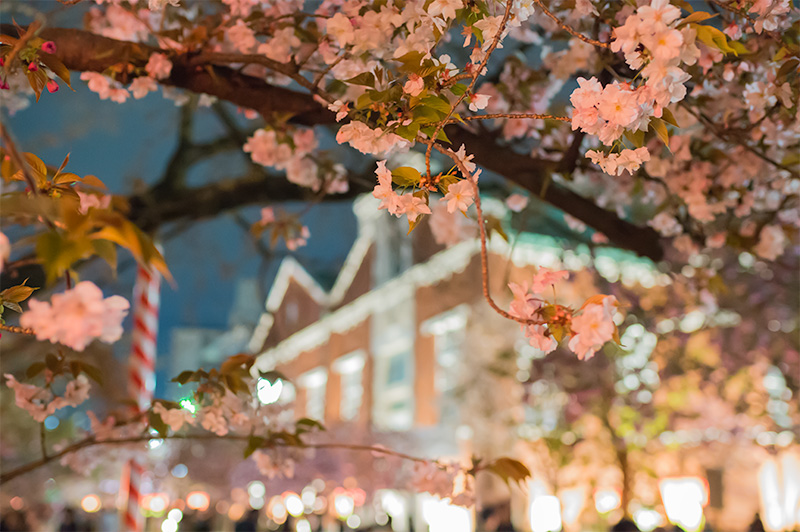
(81,50)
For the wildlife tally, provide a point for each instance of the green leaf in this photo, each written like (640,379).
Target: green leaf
(34,369)
(307,424)
(509,470)
(366,79)
(406,176)
(439,103)
(408,132)
(787,67)
(107,251)
(253,444)
(13,306)
(714,38)
(411,61)
(157,424)
(697,16)
(53,363)
(426,115)
(237,363)
(668,117)
(660,128)
(18,293)
(458,89)
(59,69)
(636,138)
(684,4)
(184,377)
(93,373)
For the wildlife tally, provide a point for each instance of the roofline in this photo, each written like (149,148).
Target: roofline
(544,252)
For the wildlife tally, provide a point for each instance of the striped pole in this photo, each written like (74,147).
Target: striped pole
(141,377)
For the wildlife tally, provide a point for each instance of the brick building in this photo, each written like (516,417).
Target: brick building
(405,329)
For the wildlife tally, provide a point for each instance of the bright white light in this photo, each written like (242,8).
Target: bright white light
(354,521)
(573,501)
(256,489)
(344,505)
(545,514)
(198,500)
(278,511)
(169,526)
(606,500)
(256,503)
(187,404)
(442,516)
(647,519)
(684,499)
(308,496)
(90,503)
(154,444)
(692,321)
(268,392)
(393,504)
(294,505)
(175,514)
(158,503)
(303,526)
(779,490)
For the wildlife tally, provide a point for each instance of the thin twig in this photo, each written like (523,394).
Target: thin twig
(484,251)
(467,92)
(33,27)
(568,29)
(511,116)
(16,158)
(91,441)
(17,330)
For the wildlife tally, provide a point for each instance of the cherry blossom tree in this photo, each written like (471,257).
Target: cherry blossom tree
(665,128)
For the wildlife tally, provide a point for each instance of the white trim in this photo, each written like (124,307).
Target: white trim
(288,270)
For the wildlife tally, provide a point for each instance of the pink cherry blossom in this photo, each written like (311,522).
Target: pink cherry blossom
(5,249)
(459,196)
(142,86)
(517,202)
(93,201)
(545,278)
(158,66)
(340,29)
(412,207)
(267,215)
(538,339)
(242,37)
(77,316)
(175,418)
(414,86)
(340,108)
(478,101)
(592,328)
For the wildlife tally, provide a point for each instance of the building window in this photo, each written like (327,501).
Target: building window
(351,371)
(314,383)
(449,331)
(393,406)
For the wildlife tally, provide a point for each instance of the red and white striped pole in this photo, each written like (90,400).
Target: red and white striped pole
(141,377)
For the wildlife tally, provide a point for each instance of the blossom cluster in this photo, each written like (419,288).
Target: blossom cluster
(292,153)
(77,316)
(590,328)
(41,402)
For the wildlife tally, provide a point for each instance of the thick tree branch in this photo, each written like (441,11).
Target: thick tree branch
(149,211)
(81,50)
